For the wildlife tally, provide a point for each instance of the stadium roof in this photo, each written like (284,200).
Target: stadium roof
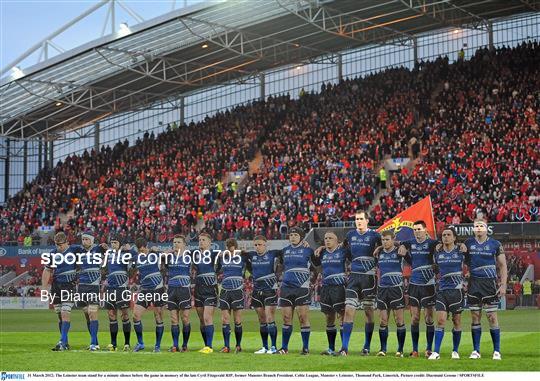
(207,44)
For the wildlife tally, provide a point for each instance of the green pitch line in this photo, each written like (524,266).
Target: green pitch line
(26,338)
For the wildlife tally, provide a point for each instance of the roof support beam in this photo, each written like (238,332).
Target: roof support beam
(446,13)
(534,5)
(346,25)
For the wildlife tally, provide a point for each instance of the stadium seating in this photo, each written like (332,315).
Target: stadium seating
(475,123)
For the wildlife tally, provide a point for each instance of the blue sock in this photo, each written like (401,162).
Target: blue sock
(159,333)
(137,326)
(401,333)
(456,338)
(226,335)
(126,327)
(175,332)
(94,324)
(368,331)
(263,330)
(415,334)
(331,333)
(496,338)
(476,331)
(238,334)
(341,333)
(305,332)
(430,333)
(286,332)
(347,331)
(203,334)
(209,333)
(383,337)
(64,333)
(186,331)
(60,327)
(439,334)
(88,327)
(113,328)
(272,331)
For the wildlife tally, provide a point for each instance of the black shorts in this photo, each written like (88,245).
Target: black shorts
(297,296)
(421,296)
(390,298)
(117,298)
(450,301)
(361,288)
(63,300)
(179,298)
(332,298)
(482,292)
(205,296)
(87,295)
(264,298)
(231,300)
(156,298)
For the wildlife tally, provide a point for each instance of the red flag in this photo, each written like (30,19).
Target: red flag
(403,222)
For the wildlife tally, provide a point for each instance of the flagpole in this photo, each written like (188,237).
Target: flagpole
(433,218)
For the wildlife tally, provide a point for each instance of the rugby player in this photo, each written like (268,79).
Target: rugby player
(151,292)
(179,292)
(117,297)
(361,286)
(63,277)
(421,285)
(390,295)
(88,288)
(485,257)
(332,261)
(295,291)
(263,263)
(205,289)
(231,297)
(448,263)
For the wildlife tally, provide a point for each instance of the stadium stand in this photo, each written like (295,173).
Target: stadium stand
(476,139)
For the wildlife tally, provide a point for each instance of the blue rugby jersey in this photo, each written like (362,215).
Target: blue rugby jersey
(179,270)
(421,256)
(482,257)
(117,270)
(390,268)
(233,268)
(206,272)
(333,266)
(90,267)
(148,266)
(296,263)
(263,269)
(64,272)
(450,268)
(362,247)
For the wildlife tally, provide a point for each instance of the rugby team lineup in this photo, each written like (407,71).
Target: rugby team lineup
(362,272)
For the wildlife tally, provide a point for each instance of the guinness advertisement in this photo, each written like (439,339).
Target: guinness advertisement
(503,230)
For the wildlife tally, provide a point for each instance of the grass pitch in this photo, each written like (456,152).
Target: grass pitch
(26,339)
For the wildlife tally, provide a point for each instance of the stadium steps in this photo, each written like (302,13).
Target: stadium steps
(256,163)
(4,279)
(17,279)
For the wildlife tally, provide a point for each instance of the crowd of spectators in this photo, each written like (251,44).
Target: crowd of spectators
(471,127)
(7,269)
(481,142)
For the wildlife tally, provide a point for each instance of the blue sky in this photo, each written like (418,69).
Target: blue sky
(26,22)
